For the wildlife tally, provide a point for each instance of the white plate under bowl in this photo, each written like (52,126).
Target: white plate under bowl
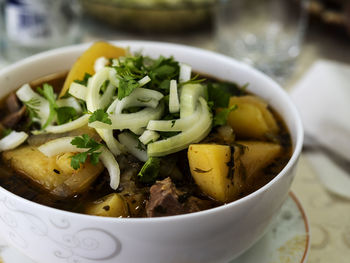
(287,241)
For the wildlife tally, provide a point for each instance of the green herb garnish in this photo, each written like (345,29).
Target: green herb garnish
(150,170)
(65,114)
(101,116)
(221,117)
(48,93)
(127,85)
(85,142)
(32,109)
(85,80)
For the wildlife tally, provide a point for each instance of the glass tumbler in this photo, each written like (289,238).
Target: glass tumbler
(265,34)
(32,26)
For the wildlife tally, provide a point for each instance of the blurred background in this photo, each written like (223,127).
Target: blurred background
(31,26)
(286,39)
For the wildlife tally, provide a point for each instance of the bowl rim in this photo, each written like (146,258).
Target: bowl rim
(125,43)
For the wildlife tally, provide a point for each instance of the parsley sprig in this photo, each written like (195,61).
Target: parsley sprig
(100,115)
(92,147)
(150,170)
(32,110)
(62,114)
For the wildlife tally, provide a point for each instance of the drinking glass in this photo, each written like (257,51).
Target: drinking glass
(266,34)
(32,26)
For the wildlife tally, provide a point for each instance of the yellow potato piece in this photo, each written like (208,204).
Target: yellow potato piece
(257,155)
(53,173)
(85,63)
(112,205)
(252,119)
(225,177)
(212,169)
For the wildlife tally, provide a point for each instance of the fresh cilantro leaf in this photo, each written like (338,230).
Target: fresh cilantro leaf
(88,143)
(164,70)
(65,114)
(77,159)
(95,158)
(165,85)
(219,93)
(101,116)
(221,117)
(127,85)
(85,141)
(85,80)
(32,110)
(218,96)
(150,170)
(48,93)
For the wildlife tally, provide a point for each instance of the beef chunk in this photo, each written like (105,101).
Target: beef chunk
(13,118)
(15,111)
(164,200)
(194,204)
(12,103)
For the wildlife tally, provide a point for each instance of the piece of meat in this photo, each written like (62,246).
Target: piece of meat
(12,103)
(164,200)
(194,204)
(13,118)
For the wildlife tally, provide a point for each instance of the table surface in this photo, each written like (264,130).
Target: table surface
(329,215)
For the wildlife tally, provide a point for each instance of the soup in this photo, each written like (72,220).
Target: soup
(154,139)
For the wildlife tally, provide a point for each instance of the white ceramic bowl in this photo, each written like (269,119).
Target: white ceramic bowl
(50,235)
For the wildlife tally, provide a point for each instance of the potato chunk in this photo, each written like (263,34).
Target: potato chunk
(224,172)
(215,170)
(257,155)
(112,205)
(85,63)
(252,119)
(53,173)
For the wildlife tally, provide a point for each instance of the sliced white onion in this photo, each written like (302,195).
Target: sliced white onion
(132,146)
(26,94)
(149,136)
(138,131)
(185,72)
(93,96)
(12,140)
(174,104)
(63,145)
(77,90)
(195,134)
(100,63)
(144,81)
(176,124)
(131,120)
(113,78)
(58,146)
(69,102)
(69,126)
(112,166)
(189,98)
(107,97)
(114,146)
